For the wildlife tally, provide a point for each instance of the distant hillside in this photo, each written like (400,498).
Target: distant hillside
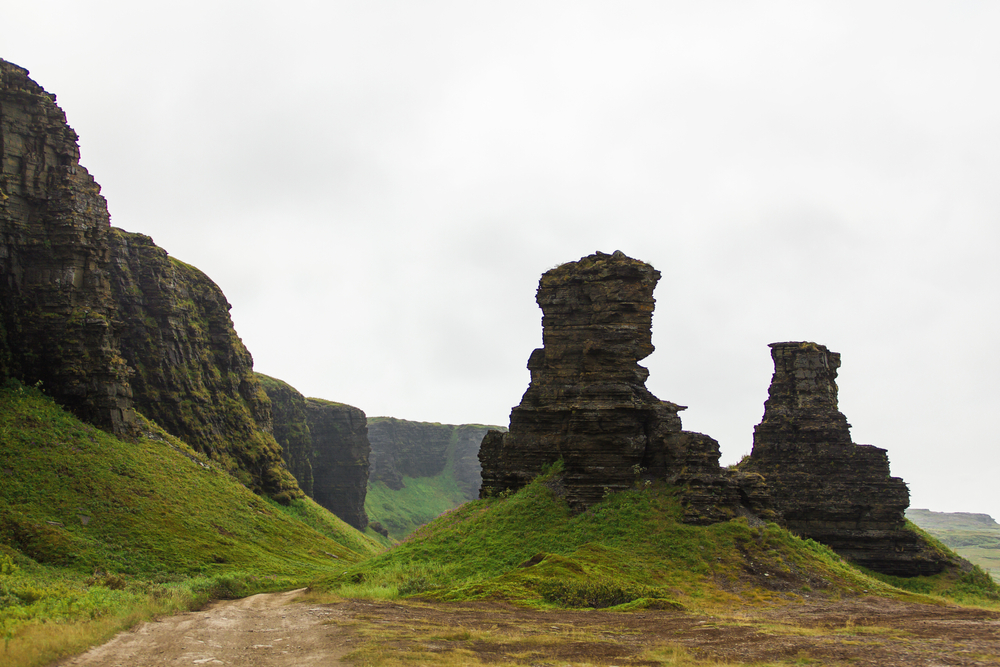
(419,470)
(975,537)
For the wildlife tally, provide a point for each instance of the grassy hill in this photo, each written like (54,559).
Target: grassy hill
(975,537)
(629,551)
(96,531)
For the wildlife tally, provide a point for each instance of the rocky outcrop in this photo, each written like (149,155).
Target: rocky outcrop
(587,402)
(423,449)
(340,459)
(103,318)
(58,320)
(826,487)
(192,374)
(291,429)
(326,447)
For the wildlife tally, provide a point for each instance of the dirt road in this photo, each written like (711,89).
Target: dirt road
(261,630)
(274,630)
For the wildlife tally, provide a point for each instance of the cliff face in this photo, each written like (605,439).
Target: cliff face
(587,402)
(825,486)
(340,459)
(423,449)
(192,374)
(420,470)
(58,321)
(291,429)
(103,318)
(326,447)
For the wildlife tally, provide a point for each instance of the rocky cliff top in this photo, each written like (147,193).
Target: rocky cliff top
(104,319)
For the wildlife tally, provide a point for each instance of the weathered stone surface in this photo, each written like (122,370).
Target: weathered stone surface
(58,322)
(192,374)
(587,403)
(425,449)
(340,459)
(325,445)
(291,429)
(826,487)
(103,318)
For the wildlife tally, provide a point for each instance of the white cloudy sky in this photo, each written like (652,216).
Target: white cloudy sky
(377,187)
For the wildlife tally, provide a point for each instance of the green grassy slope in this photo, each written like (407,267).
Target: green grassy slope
(421,499)
(92,526)
(630,550)
(418,502)
(975,537)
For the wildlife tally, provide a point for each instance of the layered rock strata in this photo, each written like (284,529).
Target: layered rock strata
(587,402)
(325,445)
(191,372)
(103,318)
(826,487)
(340,459)
(58,321)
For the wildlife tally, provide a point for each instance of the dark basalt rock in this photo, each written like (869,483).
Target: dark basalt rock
(340,459)
(826,487)
(103,318)
(58,320)
(325,445)
(588,405)
(192,374)
(424,449)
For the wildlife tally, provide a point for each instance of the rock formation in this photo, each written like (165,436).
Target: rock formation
(424,449)
(192,374)
(103,318)
(325,445)
(826,487)
(587,403)
(58,321)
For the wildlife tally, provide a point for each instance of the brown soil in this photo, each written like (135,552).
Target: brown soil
(271,630)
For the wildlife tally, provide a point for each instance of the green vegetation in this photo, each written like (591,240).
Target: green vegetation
(425,497)
(97,532)
(629,551)
(975,537)
(419,501)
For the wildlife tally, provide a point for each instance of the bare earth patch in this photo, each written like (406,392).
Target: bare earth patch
(272,630)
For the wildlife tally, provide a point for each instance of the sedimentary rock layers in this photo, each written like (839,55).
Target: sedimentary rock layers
(103,318)
(58,323)
(587,403)
(325,445)
(825,486)
(192,374)
(340,459)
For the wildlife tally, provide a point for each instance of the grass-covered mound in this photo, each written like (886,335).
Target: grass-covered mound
(94,529)
(631,550)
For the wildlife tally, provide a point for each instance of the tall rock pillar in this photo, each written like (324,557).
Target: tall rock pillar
(826,487)
(587,403)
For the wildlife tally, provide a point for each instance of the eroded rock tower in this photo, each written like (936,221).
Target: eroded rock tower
(587,402)
(826,487)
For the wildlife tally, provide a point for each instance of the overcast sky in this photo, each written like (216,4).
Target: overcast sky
(377,187)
